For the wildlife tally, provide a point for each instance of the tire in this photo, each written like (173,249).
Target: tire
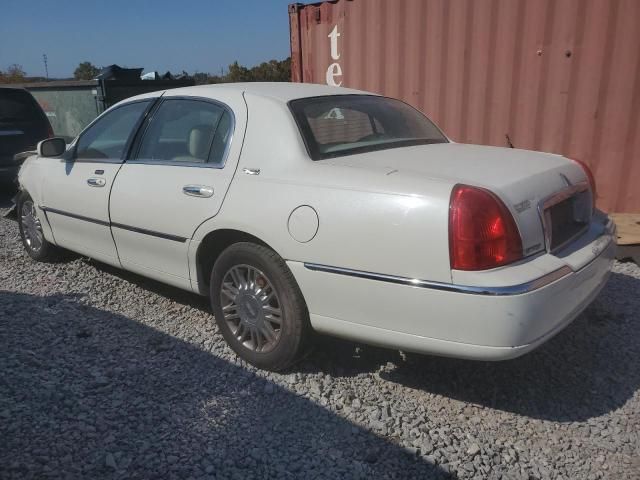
(258,306)
(32,234)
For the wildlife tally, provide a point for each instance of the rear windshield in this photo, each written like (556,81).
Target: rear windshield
(337,125)
(17,105)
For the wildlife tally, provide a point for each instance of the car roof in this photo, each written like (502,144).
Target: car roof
(282,91)
(9,87)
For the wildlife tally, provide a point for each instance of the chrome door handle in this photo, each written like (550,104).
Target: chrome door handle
(96,182)
(198,191)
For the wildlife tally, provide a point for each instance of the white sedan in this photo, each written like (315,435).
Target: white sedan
(300,208)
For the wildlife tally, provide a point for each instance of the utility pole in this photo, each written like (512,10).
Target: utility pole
(46,67)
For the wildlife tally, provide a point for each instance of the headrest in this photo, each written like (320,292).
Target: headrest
(200,141)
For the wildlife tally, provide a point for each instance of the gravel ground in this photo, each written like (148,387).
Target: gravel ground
(104,374)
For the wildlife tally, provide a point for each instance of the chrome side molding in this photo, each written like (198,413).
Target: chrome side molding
(104,223)
(448,287)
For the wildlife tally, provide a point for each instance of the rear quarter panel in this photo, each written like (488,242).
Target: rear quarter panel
(362,230)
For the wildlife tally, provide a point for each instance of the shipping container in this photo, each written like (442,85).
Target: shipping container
(556,76)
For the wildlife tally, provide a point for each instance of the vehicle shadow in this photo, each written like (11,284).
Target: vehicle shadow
(175,294)
(87,393)
(353,358)
(589,369)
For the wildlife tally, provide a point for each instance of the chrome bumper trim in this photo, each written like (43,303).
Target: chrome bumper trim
(450,287)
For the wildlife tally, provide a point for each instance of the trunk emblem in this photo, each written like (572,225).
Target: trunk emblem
(522,206)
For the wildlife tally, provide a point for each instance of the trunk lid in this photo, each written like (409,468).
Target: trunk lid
(522,179)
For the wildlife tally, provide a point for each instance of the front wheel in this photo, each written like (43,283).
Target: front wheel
(32,234)
(258,306)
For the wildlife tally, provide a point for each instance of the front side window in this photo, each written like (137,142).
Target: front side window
(187,131)
(108,136)
(337,125)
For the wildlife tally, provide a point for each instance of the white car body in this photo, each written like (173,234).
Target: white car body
(366,236)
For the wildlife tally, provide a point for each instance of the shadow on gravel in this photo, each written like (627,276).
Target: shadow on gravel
(86,393)
(175,294)
(341,358)
(588,370)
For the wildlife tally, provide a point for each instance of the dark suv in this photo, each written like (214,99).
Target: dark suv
(22,125)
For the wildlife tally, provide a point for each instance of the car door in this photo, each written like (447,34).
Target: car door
(176,179)
(76,188)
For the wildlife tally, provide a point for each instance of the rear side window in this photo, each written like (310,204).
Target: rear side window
(18,105)
(108,136)
(187,131)
(338,125)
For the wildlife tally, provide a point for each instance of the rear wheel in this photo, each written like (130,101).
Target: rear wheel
(32,234)
(258,306)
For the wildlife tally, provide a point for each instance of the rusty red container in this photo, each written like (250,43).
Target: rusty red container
(556,76)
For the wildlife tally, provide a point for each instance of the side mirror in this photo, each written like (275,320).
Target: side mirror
(52,147)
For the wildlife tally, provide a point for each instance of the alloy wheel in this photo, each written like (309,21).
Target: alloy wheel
(251,308)
(31,226)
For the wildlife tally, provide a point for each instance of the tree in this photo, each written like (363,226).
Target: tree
(272,71)
(201,78)
(238,73)
(86,71)
(14,74)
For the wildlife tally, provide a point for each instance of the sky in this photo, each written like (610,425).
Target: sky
(161,35)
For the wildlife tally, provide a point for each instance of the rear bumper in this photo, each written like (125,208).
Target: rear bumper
(475,325)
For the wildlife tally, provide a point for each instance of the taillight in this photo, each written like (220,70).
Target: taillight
(590,177)
(50,133)
(482,232)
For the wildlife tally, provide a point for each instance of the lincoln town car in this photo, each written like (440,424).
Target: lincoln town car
(300,208)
